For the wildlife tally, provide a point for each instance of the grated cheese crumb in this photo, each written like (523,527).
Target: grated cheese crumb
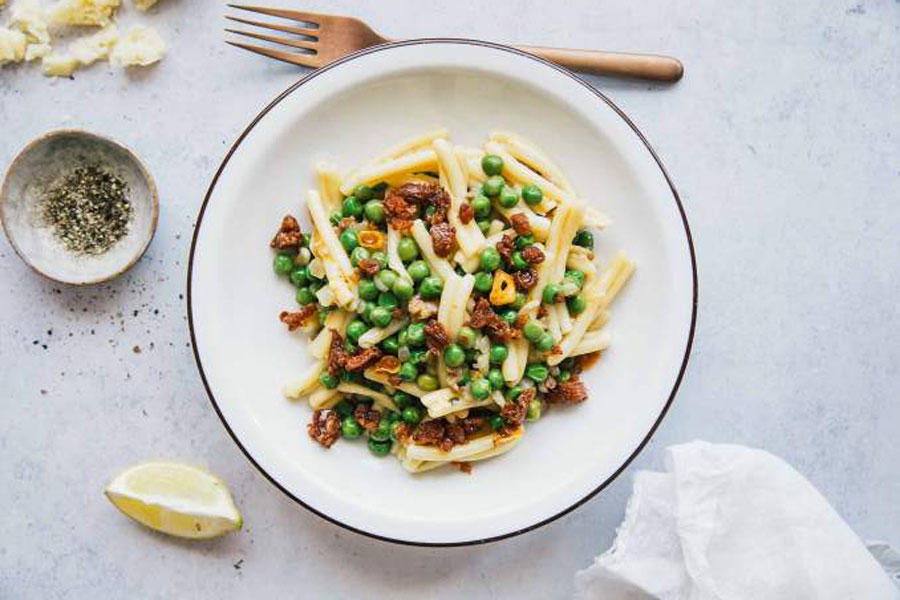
(27,17)
(92,48)
(12,46)
(59,65)
(82,12)
(33,51)
(140,46)
(141,4)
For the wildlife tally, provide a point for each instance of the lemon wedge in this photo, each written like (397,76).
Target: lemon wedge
(174,498)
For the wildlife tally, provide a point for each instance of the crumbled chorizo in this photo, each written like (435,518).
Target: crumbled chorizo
(296,319)
(436,337)
(520,223)
(506,247)
(363,359)
(473,424)
(325,427)
(455,435)
(402,204)
(533,255)
(464,467)
(336,354)
(569,392)
(525,279)
(367,417)
(513,413)
(288,235)
(369,267)
(485,318)
(443,239)
(466,213)
(429,433)
(399,212)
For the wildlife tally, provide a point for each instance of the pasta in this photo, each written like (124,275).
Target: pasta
(452,295)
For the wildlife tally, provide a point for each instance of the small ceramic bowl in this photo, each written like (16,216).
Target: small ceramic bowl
(36,167)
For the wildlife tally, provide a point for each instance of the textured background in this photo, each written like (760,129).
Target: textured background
(784,141)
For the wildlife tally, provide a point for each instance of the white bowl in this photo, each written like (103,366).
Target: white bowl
(349,111)
(37,166)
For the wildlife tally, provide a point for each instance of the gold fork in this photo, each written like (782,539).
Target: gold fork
(325,38)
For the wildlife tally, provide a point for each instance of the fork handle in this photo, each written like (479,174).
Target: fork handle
(617,64)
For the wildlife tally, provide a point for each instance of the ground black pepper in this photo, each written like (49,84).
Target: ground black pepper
(88,209)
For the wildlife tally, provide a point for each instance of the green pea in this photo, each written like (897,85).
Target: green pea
(480,389)
(395,429)
(328,380)
(491,164)
(411,415)
(305,295)
(537,372)
(493,185)
(349,348)
(584,238)
(454,355)
(390,345)
(383,433)
(490,259)
(509,315)
(284,263)
(380,258)
(349,239)
(484,282)
(471,355)
(523,241)
(519,263)
(498,353)
(481,205)
(388,300)
(508,197)
(576,304)
(533,331)
(381,317)
(359,253)
(519,302)
(374,210)
(403,289)
(564,376)
(402,399)
(355,329)
(466,337)
(407,249)
(418,356)
(418,270)
(379,448)
(305,240)
(365,311)
(496,422)
(416,334)
(484,225)
(550,294)
(364,192)
(408,371)
(343,408)
(431,287)
(367,289)
(300,275)
(351,207)
(402,338)
(545,343)
(495,377)
(387,278)
(427,382)
(393,416)
(576,276)
(464,379)
(532,194)
(335,218)
(513,393)
(350,429)
(534,410)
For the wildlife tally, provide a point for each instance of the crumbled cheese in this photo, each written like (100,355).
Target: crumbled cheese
(27,17)
(82,12)
(59,65)
(140,4)
(94,47)
(12,45)
(33,51)
(140,46)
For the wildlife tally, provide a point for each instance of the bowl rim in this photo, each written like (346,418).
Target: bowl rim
(145,173)
(501,47)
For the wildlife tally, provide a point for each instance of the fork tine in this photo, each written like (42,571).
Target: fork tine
(307,17)
(304,60)
(276,40)
(285,28)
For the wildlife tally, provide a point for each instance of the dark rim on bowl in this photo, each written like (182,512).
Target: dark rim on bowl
(586,85)
(151,185)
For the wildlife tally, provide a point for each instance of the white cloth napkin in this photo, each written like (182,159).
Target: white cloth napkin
(732,523)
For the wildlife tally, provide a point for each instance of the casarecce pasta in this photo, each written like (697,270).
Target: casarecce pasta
(452,295)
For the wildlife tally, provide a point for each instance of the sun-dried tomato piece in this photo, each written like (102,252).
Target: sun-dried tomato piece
(513,413)
(369,267)
(367,417)
(520,224)
(363,359)
(569,392)
(336,354)
(466,213)
(443,239)
(506,247)
(288,235)
(296,319)
(485,318)
(436,337)
(533,255)
(324,427)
